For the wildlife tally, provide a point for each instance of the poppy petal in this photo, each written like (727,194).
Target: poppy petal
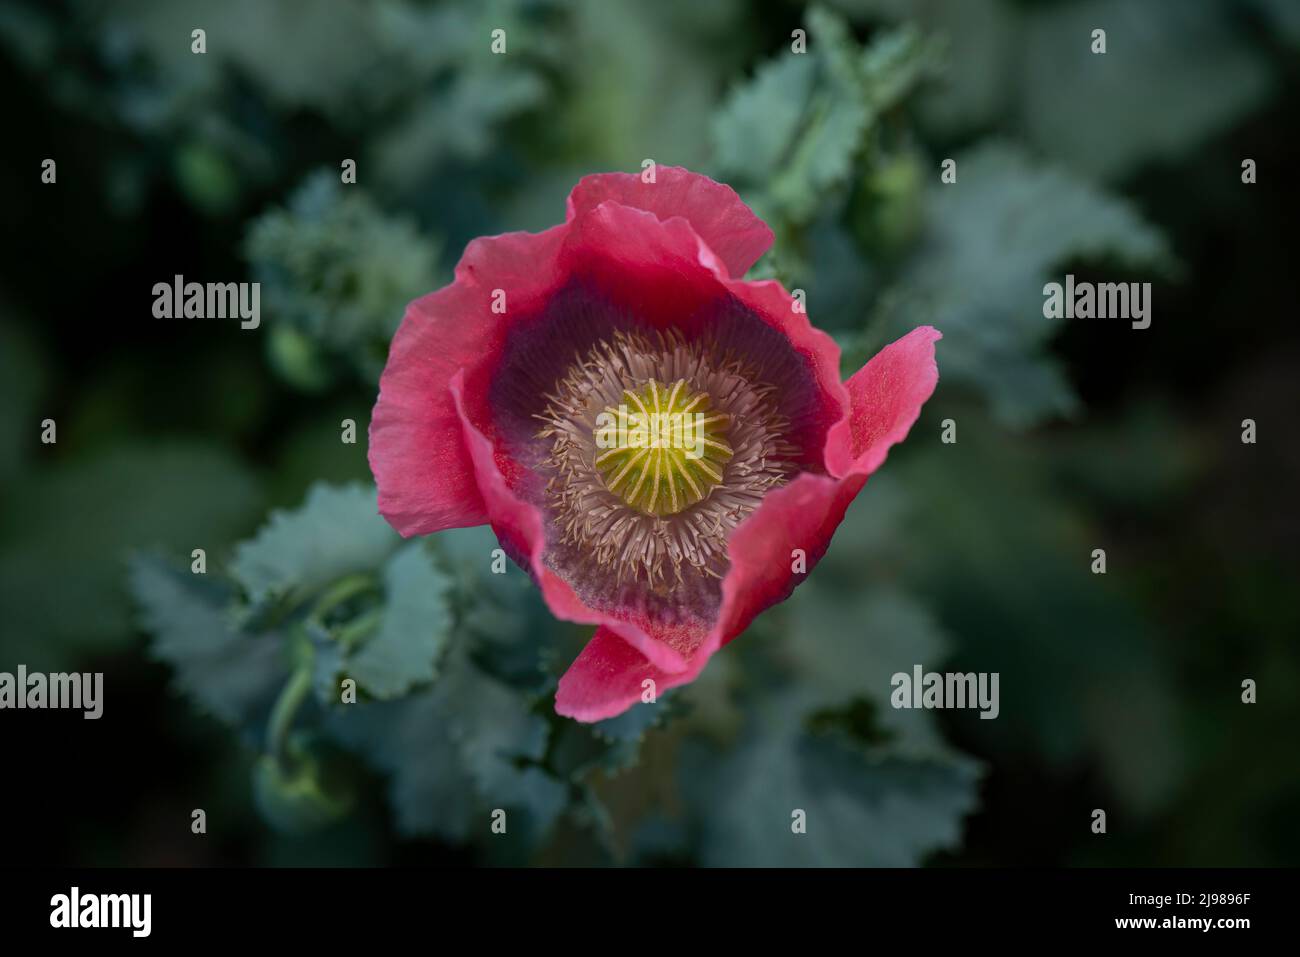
(716,213)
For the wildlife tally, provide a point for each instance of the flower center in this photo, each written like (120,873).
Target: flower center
(651,501)
(663,448)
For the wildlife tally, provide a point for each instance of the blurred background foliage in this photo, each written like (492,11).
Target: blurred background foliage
(1119,691)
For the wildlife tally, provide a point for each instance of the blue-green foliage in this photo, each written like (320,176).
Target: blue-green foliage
(453,666)
(380,639)
(336,276)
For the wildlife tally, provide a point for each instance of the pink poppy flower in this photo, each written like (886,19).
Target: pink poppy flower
(663,446)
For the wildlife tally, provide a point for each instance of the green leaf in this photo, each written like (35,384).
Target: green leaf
(534,800)
(468,556)
(414,631)
(430,790)
(991,242)
(503,615)
(981,54)
(795,129)
(841,646)
(464,95)
(861,811)
(794,133)
(340,272)
(633,723)
(459,124)
(328,666)
(756,126)
(493,725)
(455,751)
(226,673)
(896,63)
(336,532)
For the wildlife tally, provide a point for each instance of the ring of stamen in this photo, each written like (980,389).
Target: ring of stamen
(650,513)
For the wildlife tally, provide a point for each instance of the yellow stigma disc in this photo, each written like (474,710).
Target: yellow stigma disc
(662,449)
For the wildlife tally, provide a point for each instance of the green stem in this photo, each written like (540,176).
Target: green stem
(354,631)
(342,591)
(286,709)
